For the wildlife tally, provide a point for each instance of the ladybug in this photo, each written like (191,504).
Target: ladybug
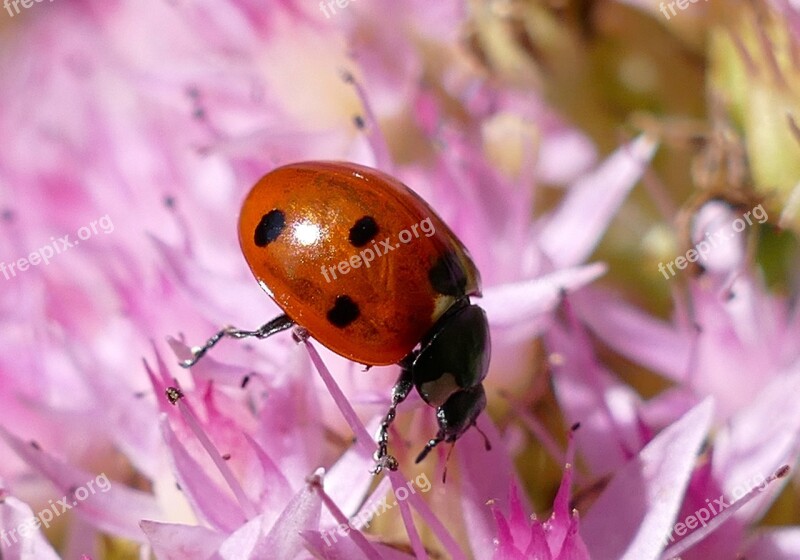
(367,268)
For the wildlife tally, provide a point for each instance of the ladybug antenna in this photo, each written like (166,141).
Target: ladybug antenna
(447,460)
(278,324)
(486,443)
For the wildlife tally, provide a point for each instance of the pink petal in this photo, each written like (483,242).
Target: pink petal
(365,443)
(563,155)
(759,438)
(631,517)
(216,507)
(560,522)
(331,545)
(591,395)
(538,547)
(478,489)
(712,224)
(520,310)
(417,546)
(782,543)
(350,491)
(575,228)
(721,518)
(277,489)
(654,343)
(112,507)
(354,534)
(519,522)
(574,547)
(170,541)
(505,549)
(260,538)
(21,536)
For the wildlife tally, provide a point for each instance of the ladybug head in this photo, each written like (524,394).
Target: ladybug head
(449,368)
(456,416)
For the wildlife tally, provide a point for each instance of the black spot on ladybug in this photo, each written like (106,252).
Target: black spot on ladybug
(447,275)
(269,228)
(363,231)
(343,312)
(359,122)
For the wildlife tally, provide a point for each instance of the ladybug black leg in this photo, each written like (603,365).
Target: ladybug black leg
(429,446)
(278,324)
(400,391)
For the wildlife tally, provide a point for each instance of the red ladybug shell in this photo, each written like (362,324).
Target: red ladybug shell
(305,218)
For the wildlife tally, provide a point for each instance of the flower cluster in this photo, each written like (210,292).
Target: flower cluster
(162,117)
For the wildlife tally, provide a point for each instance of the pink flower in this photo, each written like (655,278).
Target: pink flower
(132,134)
(558,537)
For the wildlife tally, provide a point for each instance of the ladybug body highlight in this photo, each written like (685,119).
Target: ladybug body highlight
(370,271)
